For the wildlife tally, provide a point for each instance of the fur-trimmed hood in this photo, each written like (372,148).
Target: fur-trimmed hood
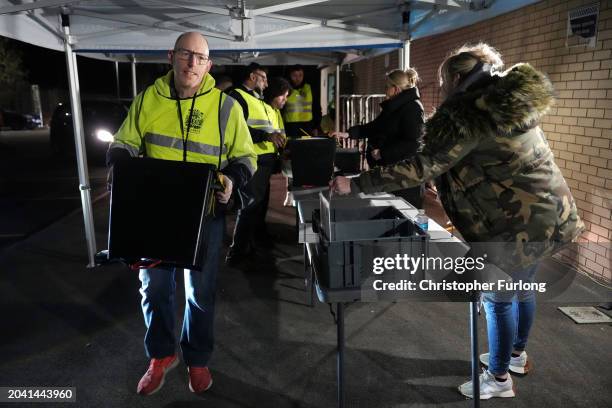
(498,104)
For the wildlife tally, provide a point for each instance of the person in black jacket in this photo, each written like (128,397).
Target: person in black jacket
(396,134)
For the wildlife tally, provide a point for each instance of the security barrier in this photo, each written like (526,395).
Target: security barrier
(357,110)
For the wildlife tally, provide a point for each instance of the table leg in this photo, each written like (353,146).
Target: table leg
(474,338)
(311,291)
(340,366)
(308,279)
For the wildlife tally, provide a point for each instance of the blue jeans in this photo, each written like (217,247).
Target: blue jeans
(509,318)
(158,304)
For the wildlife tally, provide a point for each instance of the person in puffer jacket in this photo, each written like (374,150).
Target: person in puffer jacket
(397,132)
(499,185)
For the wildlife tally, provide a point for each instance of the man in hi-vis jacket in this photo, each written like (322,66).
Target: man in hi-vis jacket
(183,117)
(250,231)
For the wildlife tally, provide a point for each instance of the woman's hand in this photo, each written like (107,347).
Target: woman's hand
(340,185)
(339,135)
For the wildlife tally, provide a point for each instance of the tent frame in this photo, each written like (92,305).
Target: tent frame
(79,139)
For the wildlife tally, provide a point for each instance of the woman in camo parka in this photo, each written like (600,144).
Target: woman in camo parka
(499,185)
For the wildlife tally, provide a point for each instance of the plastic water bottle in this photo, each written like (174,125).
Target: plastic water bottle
(422,220)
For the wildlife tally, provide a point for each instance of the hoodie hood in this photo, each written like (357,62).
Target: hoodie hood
(499,104)
(165,85)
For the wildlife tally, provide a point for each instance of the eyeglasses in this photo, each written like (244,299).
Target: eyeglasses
(262,76)
(186,55)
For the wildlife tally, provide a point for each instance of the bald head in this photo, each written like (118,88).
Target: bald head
(190,62)
(190,34)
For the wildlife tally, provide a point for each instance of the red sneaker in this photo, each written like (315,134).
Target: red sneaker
(153,379)
(199,379)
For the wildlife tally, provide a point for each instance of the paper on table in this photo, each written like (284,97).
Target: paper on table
(435,230)
(392,201)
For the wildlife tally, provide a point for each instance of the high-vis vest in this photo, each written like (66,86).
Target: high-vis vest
(261,116)
(277,120)
(214,126)
(299,105)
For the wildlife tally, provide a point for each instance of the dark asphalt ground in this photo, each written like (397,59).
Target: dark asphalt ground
(36,186)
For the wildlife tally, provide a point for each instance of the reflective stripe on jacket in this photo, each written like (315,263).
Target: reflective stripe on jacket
(260,117)
(217,127)
(277,120)
(299,105)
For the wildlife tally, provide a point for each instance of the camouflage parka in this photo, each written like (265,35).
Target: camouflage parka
(494,170)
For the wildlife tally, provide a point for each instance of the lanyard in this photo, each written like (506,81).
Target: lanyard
(185,135)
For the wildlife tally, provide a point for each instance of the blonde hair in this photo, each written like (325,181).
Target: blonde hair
(403,79)
(462,60)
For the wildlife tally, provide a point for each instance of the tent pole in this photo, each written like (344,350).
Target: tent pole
(405,56)
(77,122)
(117,79)
(134,88)
(337,95)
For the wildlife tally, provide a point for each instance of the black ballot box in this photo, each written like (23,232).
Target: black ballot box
(158,210)
(353,232)
(312,160)
(348,160)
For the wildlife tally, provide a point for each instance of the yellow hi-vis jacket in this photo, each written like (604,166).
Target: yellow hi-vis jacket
(299,105)
(277,120)
(261,116)
(217,127)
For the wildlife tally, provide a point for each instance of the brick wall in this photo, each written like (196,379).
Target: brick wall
(579,127)
(370,74)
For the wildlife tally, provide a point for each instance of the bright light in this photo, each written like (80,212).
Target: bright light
(104,135)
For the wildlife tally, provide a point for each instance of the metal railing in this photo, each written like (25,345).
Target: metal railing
(357,110)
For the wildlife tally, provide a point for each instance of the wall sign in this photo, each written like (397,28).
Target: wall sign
(582,26)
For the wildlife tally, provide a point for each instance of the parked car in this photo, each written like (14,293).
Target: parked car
(101,119)
(18,121)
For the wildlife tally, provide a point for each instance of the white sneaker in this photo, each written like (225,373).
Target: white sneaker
(518,365)
(489,387)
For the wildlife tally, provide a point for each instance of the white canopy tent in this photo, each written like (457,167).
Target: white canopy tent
(322,32)
(239,29)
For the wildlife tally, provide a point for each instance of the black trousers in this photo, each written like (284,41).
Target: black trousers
(251,220)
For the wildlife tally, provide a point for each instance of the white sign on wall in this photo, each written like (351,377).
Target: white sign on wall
(582,26)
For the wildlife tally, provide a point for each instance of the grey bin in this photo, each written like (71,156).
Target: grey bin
(352,234)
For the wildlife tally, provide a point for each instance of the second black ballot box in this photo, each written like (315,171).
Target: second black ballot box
(312,161)
(159,210)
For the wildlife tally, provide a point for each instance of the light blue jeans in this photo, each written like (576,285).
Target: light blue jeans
(510,315)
